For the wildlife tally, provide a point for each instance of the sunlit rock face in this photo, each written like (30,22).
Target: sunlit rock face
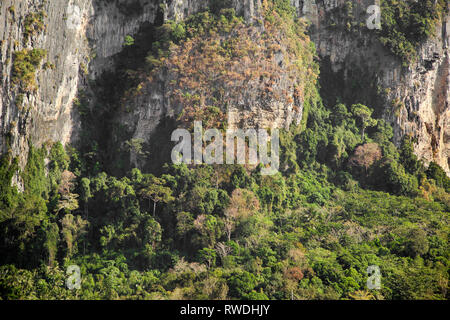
(81,37)
(415,99)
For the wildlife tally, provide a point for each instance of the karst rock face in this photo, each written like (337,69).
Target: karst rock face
(82,37)
(416,98)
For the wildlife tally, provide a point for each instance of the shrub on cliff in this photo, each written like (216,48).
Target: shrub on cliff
(25,65)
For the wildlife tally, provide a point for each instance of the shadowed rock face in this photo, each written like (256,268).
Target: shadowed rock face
(415,100)
(82,37)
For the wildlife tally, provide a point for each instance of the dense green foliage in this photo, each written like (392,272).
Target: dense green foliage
(406,23)
(345,198)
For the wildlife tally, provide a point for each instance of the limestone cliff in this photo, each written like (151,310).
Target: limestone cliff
(82,37)
(414,99)
(78,37)
(43,112)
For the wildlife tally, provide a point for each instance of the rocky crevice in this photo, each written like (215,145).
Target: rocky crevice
(414,99)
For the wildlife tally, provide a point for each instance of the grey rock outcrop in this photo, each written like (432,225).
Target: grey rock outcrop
(417,98)
(82,37)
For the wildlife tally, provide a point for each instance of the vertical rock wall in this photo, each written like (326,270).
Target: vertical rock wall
(416,98)
(81,37)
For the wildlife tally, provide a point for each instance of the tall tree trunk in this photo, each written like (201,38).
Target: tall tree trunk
(86,216)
